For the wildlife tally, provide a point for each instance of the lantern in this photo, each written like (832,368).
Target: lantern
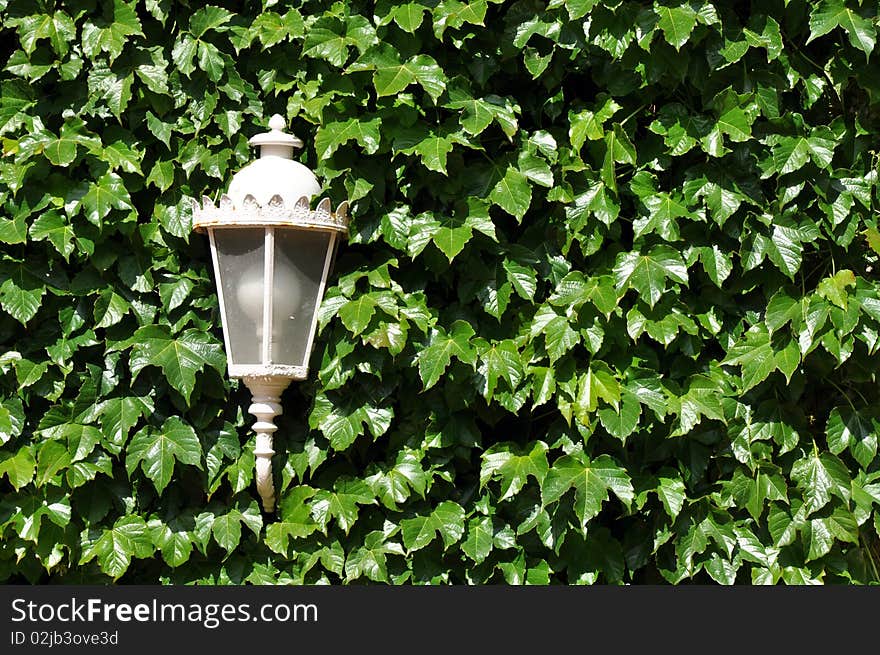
(272,253)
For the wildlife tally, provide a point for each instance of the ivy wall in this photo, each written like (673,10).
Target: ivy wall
(609,311)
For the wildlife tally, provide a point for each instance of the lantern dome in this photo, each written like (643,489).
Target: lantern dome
(275,173)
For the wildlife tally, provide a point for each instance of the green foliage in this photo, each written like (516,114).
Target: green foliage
(609,311)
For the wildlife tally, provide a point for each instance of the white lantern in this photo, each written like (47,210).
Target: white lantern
(272,254)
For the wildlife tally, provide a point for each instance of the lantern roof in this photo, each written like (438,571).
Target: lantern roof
(275,172)
(272,190)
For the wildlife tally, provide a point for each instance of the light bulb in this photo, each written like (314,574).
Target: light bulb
(286,294)
(250,292)
(287,297)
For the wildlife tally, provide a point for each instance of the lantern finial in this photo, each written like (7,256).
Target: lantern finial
(276,142)
(277,123)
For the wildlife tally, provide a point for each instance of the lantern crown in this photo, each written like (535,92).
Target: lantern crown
(275,173)
(272,190)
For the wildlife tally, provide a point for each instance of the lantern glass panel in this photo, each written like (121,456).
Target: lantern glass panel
(240,256)
(300,257)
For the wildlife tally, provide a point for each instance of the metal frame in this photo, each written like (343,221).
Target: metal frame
(268,380)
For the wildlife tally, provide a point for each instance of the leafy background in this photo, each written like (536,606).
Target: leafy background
(609,311)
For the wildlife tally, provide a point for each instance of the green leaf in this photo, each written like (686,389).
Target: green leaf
(829,14)
(19,468)
(409,16)
(52,226)
(500,360)
(447,520)
(781,309)
(717,264)
(512,465)
(119,415)
(295,522)
(618,149)
(57,27)
(210,60)
(226,529)
(847,428)
(598,383)
(819,476)
(677,23)
(671,492)
(21,293)
(341,504)
(592,480)
(356,314)
(834,288)
(107,193)
(433,152)
(621,422)
(436,356)
(755,355)
(180,358)
(332,135)
(116,546)
(208,18)
(512,193)
(111,36)
(175,545)
(786,250)
(157,450)
(647,273)
(370,559)
(110,308)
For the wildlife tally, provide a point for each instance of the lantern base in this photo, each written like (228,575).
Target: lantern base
(266,392)
(268,371)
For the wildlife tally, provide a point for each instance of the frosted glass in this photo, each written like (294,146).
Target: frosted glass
(240,254)
(299,264)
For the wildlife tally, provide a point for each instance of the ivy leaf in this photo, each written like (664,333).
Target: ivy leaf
(598,383)
(119,415)
(500,360)
(157,450)
(433,152)
(647,273)
(57,27)
(116,546)
(107,193)
(512,193)
(512,465)
(677,23)
(819,476)
(340,504)
(621,422)
(755,355)
(208,18)
(332,135)
(671,492)
(111,36)
(786,250)
(175,544)
(21,293)
(592,481)
(180,358)
(19,468)
(436,356)
(447,519)
(522,278)
(829,14)
(370,559)
(295,522)
(847,428)
(834,288)
(356,314)
(52,226)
